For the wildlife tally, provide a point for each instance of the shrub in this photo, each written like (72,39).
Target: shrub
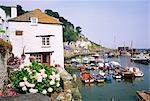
(4,47)
(13,62)
(36,78)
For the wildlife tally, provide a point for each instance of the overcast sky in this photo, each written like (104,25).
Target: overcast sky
(101,20)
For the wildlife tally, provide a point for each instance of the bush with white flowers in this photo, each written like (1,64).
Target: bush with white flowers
(36,78)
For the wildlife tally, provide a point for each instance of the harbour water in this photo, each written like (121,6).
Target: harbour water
(117,90)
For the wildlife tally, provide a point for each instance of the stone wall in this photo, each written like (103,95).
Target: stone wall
(3,71)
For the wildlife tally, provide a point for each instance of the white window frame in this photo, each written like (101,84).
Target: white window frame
(45,41)
(34,20)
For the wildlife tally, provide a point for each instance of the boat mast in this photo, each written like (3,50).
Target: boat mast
(125,55)
(114,48)
(132,48)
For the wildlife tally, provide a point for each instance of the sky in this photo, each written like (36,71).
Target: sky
(108,22)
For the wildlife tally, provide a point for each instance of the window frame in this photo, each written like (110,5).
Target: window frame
(46,41)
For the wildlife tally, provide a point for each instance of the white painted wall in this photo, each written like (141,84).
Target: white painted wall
(2,19)
(13,11)
(33,43)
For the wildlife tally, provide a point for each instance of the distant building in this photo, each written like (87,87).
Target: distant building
(123,48)
(37,35)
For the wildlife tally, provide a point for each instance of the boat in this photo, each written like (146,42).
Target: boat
(139,74)
(127,74)
(86,77)
(99,78)
(141,58)
(115,64)
(117,76)
(108,77)
(85,60)
(143,95)
(136,71)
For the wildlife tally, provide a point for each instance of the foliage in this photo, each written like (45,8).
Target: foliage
(36,78)
(69,32)
(71,70)
(7,9)
(4,47)
(14,62)
(2,31)
(78,29)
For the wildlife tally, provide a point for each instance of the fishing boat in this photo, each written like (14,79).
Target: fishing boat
(141,58)
(136,71)
(117,76)
(99,78)
(85,60)
(115,64)
(86,78)
(143,95)
(139,74)
(127,74)
(108,77)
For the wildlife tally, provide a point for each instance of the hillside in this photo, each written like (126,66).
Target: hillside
(70,32)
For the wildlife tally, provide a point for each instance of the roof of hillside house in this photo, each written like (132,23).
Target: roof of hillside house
(37,13)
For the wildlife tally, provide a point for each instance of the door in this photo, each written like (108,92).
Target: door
(46,59)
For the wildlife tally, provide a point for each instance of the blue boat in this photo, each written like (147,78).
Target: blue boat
(108,77)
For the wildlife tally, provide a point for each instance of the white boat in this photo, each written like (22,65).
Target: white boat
(85,60)
(136,71)
(116,64)
(141,58)
(117,76)
(91,80)
(139,74)
(101,73)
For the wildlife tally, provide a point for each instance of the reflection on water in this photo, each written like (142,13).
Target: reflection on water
(123,89)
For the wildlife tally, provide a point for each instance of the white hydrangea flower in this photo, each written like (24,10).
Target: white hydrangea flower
(21,84)
(53,73)
(42,70)
(38,75)
(27,83)
(44,91)
(52,77)
(32,85)
(57,85)
(44,75)
(50,89)
(24,78)
(39,79)
(33,90)
(24,88)
(52,82)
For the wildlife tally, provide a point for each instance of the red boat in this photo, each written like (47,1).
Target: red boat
(85,76)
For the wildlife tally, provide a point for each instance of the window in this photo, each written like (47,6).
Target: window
(34,20)
(46,41)
(37,57)
(19,33)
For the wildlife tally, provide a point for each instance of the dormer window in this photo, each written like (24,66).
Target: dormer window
(34,20)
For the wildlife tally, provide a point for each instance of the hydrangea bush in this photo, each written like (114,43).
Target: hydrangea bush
(36,78)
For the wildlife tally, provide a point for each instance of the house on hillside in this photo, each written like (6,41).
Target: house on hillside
(3,25)
(37,35)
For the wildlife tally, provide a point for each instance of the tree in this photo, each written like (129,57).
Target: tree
(20,11)
(78,29)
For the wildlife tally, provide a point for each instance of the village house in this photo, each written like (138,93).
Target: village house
(3,25)
(36,34)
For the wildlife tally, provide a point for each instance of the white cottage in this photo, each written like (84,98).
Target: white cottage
(3,25)
(39,35)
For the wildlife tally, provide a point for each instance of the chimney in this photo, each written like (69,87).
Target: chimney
(13,11)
